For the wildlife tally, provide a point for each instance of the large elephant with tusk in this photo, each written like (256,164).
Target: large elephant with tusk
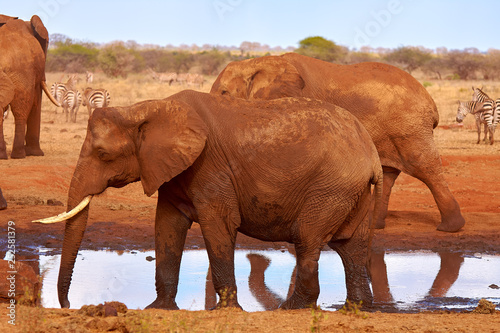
(293,169)
(23,49)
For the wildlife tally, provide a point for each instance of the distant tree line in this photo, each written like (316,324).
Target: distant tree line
(441,63)
(118,59)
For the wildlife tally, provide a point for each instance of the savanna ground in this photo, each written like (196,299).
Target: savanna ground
(36,187)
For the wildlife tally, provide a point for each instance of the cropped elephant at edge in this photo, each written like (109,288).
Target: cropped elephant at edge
(3,202)
(394,107)
(293,170)
(22,79)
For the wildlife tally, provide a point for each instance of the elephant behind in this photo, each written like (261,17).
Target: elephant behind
(397,111)
(23,48)
(293,170)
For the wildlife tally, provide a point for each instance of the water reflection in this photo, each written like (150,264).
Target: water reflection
(400,281)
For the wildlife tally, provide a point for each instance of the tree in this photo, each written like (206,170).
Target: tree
(462,63)
(409,58)
(321,48)
(437,65)
(116,60)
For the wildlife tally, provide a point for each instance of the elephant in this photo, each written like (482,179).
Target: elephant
(394,107)
(294,170)
(3,202)
(22,79)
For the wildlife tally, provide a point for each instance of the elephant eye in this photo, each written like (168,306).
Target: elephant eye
(224,92)
(103,155)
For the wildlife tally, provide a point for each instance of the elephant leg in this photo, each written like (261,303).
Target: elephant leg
(390,176)
(354,252)
(448,273)
(257,284)
(220,249)
(306,290)
(32,147)
(380,283)
(19,138)
(430,172)
(219,232)
(210,294)
(171,228)
(3,202)
(3,146)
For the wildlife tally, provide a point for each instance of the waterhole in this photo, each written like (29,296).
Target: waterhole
(401,281)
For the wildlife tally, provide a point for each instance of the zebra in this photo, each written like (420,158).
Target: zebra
(491,118)
(484,112)
(182,78)
(89,77)
(58,89)
(164,77)
(71,102)
(95,98)
(195,79)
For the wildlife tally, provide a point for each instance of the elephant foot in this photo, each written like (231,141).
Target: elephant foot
(33,151)
(18,154)
(3,203)
(161,304)
(379,224)
(451,224)
(64,303)
(356,306)
(294,303)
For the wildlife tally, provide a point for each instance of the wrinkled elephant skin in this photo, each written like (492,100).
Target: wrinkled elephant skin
(23,48)
(397,111)
(290,170)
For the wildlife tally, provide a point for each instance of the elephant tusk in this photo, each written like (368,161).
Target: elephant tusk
(49,95)
(66,215)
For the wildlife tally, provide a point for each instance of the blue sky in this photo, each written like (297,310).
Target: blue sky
(455,24)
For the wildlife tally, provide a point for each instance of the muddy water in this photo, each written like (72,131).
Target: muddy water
(411,281)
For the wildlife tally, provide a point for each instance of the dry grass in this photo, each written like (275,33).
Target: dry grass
(139,87)
(134,88)
(446,94)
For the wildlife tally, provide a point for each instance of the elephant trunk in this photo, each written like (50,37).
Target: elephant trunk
(49,95)
(73,235)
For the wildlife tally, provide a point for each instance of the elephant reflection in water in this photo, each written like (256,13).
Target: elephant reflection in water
(256,283)
(382,297)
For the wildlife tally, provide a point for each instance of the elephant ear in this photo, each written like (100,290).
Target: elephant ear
(169,141)
(6,91)
(40,32)
(275,78)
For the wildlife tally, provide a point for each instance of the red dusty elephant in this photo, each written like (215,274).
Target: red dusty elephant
(23,48)
(397,111)
(293,170)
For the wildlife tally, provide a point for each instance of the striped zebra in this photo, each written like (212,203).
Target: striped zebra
(491,117)
(71,102)
(163,77)
(95,98)
(90,77)
(58,89)
(484,112)
(195,79)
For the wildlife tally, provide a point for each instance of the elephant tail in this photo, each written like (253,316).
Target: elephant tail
(49,95)
(377,181)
